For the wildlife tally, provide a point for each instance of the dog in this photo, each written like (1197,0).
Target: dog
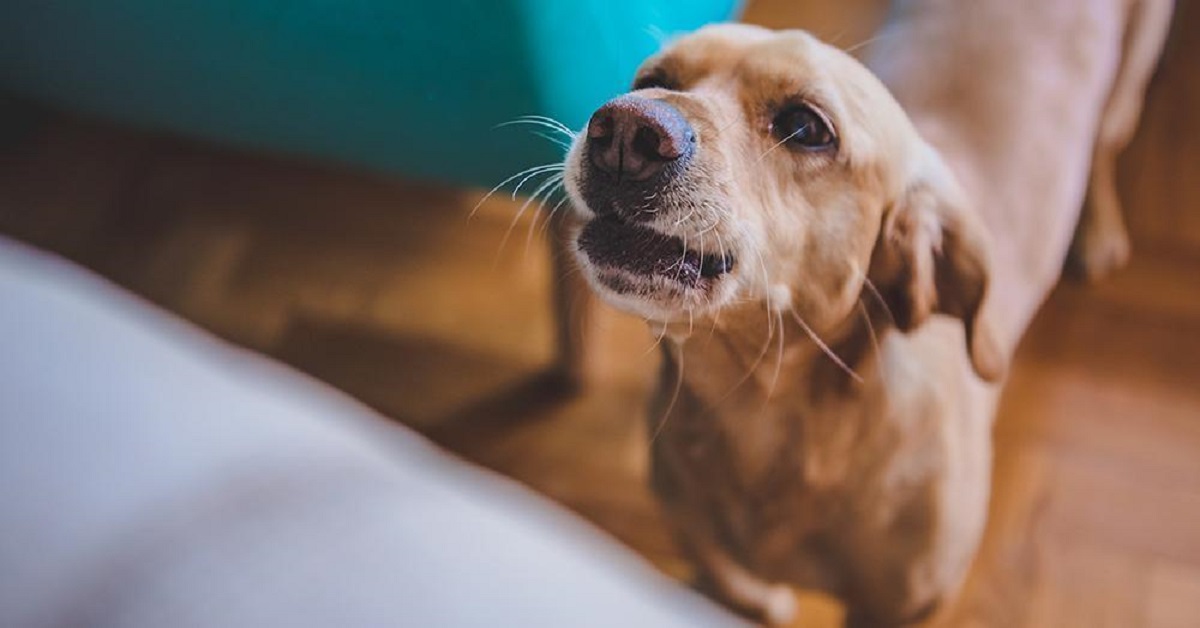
(839,262)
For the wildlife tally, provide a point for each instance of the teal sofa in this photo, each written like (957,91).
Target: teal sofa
(413,88)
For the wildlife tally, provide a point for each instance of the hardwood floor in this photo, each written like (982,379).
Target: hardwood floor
(387,290)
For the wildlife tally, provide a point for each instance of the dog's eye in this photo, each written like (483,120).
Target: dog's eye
(652,80)
(803,127)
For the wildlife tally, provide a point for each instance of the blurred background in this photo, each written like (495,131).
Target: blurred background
(297,179)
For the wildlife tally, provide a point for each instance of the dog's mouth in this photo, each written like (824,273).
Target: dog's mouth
(621,252)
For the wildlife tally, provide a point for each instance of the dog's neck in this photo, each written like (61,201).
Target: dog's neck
(759,349)
(741,370)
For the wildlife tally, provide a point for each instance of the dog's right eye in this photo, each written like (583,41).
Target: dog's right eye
(653,80)
(800,125)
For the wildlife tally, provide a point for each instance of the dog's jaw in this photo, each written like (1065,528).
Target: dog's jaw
(663,296)
(687,284)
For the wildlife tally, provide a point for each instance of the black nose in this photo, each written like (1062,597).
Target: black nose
(633,138)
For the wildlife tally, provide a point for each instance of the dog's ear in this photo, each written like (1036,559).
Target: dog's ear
(933,255)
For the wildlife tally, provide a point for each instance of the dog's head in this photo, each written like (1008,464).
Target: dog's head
(752,168)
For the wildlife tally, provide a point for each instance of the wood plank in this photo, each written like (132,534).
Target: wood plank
(1174,596)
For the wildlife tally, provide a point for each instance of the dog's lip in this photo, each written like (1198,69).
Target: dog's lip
(609,242)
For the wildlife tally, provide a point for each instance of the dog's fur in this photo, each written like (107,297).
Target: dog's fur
(917,251)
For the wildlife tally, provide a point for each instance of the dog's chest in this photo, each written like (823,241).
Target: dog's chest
(773,486)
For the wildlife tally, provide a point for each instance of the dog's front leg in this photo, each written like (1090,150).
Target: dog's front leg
(731,583)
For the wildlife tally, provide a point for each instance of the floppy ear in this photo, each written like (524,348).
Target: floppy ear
(933,256)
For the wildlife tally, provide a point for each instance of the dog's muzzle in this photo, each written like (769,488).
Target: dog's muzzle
(635,146)
(633,169)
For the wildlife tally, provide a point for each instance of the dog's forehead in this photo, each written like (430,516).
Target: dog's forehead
(762,68)
(763,60)
(793,54)
(717,45)
(717,49)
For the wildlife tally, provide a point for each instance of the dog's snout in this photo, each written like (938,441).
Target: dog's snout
(633,137)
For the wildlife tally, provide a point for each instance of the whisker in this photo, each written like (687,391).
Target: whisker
(766,346)
(717,316)
(682,257)
(779,143)
(556,123)
(545,185)
(862,309)
(725,127)
(647,201)
(687,217)
(554,140)
(867,42)
(716,321)
(544,121)
(560,168)
(833,41)
(550,216)
(657,340)
(715,223)
(767,285)
(537,210)
(656,33)
(824,347)
(778,360)
(532,171)
(674,397)
(762,353)
(879,297)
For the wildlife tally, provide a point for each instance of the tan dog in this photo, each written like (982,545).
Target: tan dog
(838,280)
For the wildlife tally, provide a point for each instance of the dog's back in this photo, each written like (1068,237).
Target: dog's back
(1029,102)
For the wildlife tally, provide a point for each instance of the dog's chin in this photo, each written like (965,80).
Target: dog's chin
(653,275)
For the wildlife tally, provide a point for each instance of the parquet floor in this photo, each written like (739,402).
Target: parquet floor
(386,290)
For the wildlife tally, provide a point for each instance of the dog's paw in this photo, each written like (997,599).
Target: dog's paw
(779,606)
(1098,251)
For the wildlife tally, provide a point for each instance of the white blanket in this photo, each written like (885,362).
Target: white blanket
(152,476)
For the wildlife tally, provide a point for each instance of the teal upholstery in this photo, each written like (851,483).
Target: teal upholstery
(396,85)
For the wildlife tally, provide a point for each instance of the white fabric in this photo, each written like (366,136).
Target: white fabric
(152,476)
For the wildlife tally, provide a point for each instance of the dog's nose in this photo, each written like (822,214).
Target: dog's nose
(633,138)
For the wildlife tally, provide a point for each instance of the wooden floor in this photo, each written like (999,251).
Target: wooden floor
(387,290)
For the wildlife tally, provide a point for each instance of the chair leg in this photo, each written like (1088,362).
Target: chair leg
(574,303)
